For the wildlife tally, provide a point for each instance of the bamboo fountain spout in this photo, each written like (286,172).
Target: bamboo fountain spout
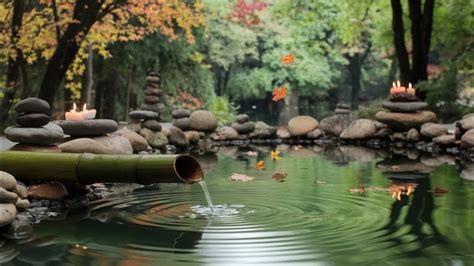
(87,168)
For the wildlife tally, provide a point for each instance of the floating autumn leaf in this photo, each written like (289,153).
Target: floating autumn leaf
(288,59)
(279,93)
(440,190)
(360,190)
(279,177)
(397,190)
(241,177)
(275,155)
(320,182)
(260,165)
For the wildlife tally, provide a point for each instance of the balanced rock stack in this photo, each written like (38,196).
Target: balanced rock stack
(335,124)
(92,136)
(342,109)
(405,112)
(153,94)
(13,198)
(146,124)
(33,124)
(182,121)
(242,124)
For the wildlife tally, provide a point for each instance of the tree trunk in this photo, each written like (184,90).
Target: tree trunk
(355,70)
(399,41)
(14,71)
(88,78)
(131,70)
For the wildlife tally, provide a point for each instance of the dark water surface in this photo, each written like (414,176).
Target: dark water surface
(311,218)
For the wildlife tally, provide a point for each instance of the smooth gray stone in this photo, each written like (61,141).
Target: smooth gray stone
(152,124)
(33,105)
(241,118)
(91,127)
(182,123)
(45,135)
(180,113)
(32,120)
(143,114)
(404,106)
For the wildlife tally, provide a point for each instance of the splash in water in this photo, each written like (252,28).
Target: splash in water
(203,185)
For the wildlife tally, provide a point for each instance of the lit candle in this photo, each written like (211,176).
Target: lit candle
(397,88)
(73,115)
(410,89)
(88,114)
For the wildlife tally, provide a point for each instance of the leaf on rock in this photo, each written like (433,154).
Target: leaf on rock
(241,177)
(279,177)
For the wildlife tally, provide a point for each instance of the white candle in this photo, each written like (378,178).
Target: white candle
(89,114)
(73,115)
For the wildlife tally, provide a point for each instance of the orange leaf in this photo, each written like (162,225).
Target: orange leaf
(260,165)
(279,177)
(288,59)
(279,93)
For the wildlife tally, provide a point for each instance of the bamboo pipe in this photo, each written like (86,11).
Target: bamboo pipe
(88,168)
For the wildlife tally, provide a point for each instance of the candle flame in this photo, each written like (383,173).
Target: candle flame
(393,85)
(73,107)
(398,83)
(85,107)
(409,85)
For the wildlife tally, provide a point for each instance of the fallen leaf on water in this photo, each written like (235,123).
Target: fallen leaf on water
(440,190)
(260,165)
(288,59)
(360,190)
(397,190)
(251,153)
(279,93)
(320,182)
(279,177)
(241,177)
(275,155)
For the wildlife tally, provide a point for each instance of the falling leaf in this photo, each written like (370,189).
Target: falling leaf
(241,177)
(275,155)
(360,190)
(279,93)
(279,177)
(251,153)
(288,59)
(440,190)
(260,165)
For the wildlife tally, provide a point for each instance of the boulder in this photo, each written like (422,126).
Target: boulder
(32,120)
(413,135)
(35,148)
(302,125)
(98,145)
(180,113)
(22,204)
(177,137)
(143,114)
(467,140)
(241,118)
(398,136)
(152,124)
(404,107)
(92,127)
(7,196)
(182,123)
(227,133)
(47,191)
(432,130)
(445,139)
(32,105)
(192,136)
(335,124)
(115,144)
(45,135)
(467,123)
(243,128)
(405,121)
(7,181)
(467,115)
(315,134)
(155,139)
(362,129)
(138,142)
(7,213)
(203,121)
(263,131)
(283,133)
(21,191)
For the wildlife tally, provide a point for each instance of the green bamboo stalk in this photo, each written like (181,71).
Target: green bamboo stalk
(87,168)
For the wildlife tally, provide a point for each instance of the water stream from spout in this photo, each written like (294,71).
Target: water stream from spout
(203,185)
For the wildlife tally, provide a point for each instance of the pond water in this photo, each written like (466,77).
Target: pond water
(318,215)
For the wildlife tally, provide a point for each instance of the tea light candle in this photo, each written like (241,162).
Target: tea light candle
(411,90)
(88,114)
(73,115)
(397,89)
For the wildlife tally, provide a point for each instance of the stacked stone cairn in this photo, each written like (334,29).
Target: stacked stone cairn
(33,127)
(152,102)
(13,199)
(405,117)
(182,121)
(334,125)
(146,124)
(242,125)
